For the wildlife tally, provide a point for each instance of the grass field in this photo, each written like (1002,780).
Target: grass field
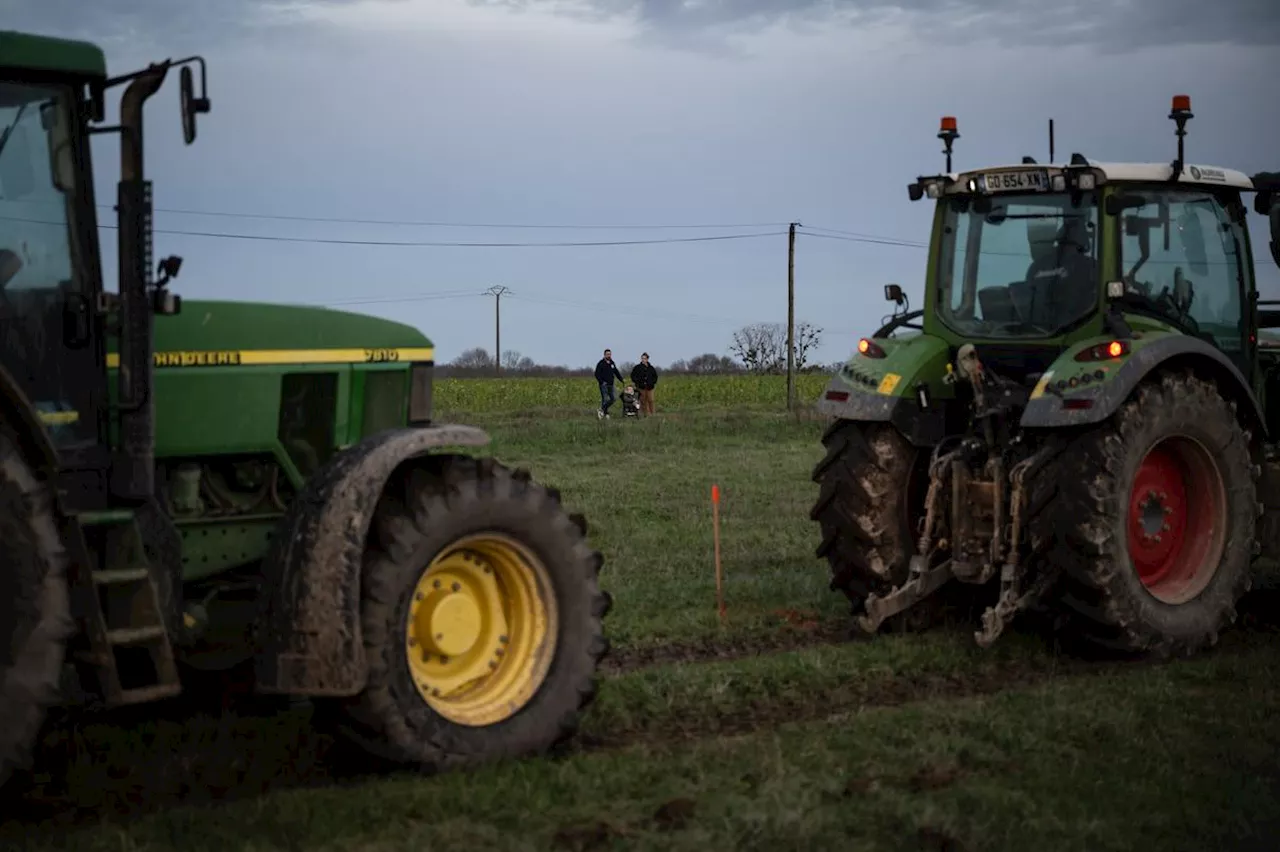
(771,732)
(673,392)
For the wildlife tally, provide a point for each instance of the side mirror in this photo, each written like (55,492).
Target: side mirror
(1275,231)
(17,180)
(191,105)
(893,293)
(1117,204)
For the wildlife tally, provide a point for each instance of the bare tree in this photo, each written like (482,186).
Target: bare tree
(761,346)
(710,364)
(808,338)
(514,362)
(473,359)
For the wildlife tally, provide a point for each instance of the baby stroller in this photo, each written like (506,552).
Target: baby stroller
(630,402)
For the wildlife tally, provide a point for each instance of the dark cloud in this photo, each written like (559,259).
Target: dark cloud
(148,25)
(1110,25)
(1107,24)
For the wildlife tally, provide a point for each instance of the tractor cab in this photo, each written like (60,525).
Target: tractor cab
(1030,257)
(54,315)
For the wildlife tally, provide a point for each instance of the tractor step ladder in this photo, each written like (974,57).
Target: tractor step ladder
(128,644)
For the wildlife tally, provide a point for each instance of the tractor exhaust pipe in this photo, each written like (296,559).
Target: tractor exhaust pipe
(133,473)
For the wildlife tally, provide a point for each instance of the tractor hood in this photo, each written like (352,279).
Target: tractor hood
(230,327)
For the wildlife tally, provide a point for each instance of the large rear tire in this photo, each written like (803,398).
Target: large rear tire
(35,607)
(870,498)
(481,617)
(1151,524)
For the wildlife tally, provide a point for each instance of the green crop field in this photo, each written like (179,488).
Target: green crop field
(773,731)
(678,392)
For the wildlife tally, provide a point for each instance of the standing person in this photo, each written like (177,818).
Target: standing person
(606,371)
(645,377)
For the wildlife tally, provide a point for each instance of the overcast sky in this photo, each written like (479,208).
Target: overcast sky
(746,114)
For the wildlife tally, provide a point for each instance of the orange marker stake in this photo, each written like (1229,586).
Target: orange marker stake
(715,526)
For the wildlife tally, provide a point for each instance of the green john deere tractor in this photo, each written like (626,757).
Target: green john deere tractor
(1082,411)
(255,491)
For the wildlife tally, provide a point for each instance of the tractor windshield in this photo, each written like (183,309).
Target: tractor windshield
(35,233)
(40,270)
(1018,264)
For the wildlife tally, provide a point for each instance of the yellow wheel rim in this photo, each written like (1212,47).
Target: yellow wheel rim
(481,629)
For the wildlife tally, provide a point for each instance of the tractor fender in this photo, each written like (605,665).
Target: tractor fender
(1050,410)
(308,638)
(885,389)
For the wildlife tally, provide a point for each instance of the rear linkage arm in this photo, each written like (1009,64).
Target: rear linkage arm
(1012,599)
(923,580)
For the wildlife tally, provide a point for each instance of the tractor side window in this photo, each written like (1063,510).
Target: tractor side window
(1182,255)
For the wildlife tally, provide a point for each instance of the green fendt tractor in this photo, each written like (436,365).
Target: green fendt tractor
(1081,410)
(252,490)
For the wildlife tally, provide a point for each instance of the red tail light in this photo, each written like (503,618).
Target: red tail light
(1104,351)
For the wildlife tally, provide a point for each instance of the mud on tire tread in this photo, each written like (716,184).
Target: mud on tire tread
(866,539)
(447,497)
(1077,524)
(35,607)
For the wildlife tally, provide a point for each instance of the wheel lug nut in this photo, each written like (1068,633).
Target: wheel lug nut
(436,584)
(412,641)
(503,639)
(457,587)
(417,596)
(443,658)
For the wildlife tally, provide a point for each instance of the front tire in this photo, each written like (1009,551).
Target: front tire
(1153,522)
(481,616)
(35,608)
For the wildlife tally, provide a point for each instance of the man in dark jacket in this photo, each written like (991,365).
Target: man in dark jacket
(645,378)
(606,371)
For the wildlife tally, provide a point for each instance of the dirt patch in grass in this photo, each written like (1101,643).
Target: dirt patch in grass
(802,630)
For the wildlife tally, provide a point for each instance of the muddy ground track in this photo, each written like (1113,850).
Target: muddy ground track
(262,749)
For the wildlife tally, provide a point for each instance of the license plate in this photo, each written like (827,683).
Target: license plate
(1015,181)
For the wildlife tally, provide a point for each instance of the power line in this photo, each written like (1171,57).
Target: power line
(447,244)
(412,223)
(614,309)
(882,241)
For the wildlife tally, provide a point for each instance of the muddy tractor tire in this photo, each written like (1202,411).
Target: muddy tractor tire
(871,495)
(1149,522)
(35,608)
(481,619)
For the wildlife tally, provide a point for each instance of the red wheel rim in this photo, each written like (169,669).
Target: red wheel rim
(1176,520)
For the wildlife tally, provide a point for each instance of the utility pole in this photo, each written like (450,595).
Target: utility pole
(791,315)
(497,291)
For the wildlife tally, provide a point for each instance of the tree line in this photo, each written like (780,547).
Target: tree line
(757,348)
